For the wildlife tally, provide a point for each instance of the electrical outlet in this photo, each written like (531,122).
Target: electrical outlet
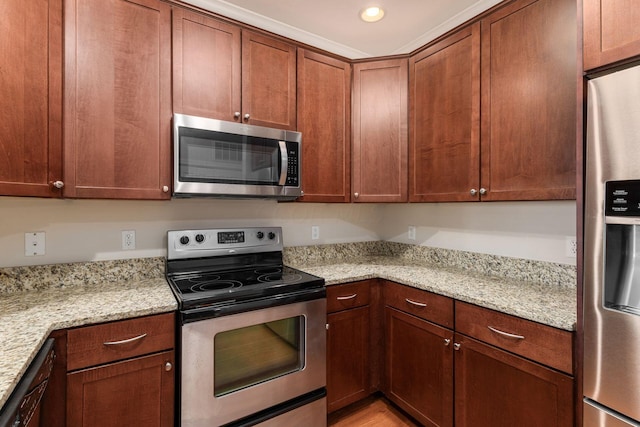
(34,243)
(411,234)
(571,247)
(128,240)
(315,232)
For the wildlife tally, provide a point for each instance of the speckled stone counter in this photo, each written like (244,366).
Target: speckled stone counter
(35,301)
(538,291)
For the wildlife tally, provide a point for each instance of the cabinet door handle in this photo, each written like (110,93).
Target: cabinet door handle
(447,341)
(456,346)
(473,192)
(483,191)
(506,334)
(127,341)
(58,184)
(416,303)
(347,297)
(247,116)
(168,366)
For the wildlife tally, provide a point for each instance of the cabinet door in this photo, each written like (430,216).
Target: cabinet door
(206,66)
(444,136)
(495,388)
(137,392)
(324,118)
(380,131)
(118,100)
(529,96)
(610,31)
(347,357)
(31,101)
(268,81)
(419,368)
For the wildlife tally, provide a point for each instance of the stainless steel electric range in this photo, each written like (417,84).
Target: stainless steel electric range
(252,330)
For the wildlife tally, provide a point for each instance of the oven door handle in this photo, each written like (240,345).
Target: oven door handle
(284,162)
(233,307)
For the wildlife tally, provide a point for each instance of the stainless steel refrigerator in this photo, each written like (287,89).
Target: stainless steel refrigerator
(612,251)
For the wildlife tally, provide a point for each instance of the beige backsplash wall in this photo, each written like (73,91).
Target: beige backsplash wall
(87,230)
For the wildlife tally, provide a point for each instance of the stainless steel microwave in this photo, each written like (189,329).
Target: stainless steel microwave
(226,159)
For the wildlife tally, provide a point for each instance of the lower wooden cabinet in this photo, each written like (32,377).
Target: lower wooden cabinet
(498,389)
(419,367)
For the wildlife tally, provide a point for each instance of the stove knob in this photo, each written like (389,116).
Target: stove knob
(199,238)
(184,240)
(260,235)
(272,235)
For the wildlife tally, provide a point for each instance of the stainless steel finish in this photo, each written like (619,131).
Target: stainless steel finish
(284,159)
(356,195)
(596,415)
(247,116)
(347,297)
(165,188)
(236,114)
(447,341)
(168,366)
(505,334)
(210,246)
(127,341)
(456,346)
(473,192)
(194,189)
(416,303)
(58,184)
(199,406)
(611,337)
(312,415)
(483,191)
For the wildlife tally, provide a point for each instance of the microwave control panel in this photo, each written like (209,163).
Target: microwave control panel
(622,198)
(293,165)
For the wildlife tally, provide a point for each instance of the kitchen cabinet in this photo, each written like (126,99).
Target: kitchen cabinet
(508,379)
(529,101)
(224,72)
(444,132)
(324,118)
(611,33)
(380,131)
(494,107)
(31,101)
(117,99)
(419,359)
(121,373)
(348,344)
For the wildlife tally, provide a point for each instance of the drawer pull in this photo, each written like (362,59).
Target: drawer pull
(419,304)
(127,341)
(506,334)
(347,297)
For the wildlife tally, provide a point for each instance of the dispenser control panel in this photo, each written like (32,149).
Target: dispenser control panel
(622,198)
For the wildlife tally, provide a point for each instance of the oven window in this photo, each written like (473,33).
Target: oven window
(217,157)
(255,354)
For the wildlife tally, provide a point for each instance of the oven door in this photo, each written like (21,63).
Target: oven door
(237,365)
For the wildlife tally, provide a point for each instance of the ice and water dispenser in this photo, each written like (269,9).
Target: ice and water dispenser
(622,246)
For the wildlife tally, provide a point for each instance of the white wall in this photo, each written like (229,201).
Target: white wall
(86,230)
(530,230)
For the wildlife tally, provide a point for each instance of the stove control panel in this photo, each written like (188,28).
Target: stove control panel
(214,242)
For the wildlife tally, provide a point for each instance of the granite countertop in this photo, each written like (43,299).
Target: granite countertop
(38,303)
(34,301)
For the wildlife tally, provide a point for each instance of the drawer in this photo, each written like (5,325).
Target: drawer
(349,295)
(426,305)
(108,342)
(541,343)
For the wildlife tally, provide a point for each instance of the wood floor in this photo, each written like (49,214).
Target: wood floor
(373,411)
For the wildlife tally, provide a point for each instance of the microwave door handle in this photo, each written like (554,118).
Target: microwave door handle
(284,161)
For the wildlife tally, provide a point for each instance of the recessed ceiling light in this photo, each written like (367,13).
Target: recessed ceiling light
(372,14)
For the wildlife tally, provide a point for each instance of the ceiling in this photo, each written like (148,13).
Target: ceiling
(335,25)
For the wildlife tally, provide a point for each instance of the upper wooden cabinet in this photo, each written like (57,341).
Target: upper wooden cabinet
(610,31)
(380,131)
(444,114)
(31,101)
(117,99)
(225,73)
(206,66)
(529,101)
(324,118)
